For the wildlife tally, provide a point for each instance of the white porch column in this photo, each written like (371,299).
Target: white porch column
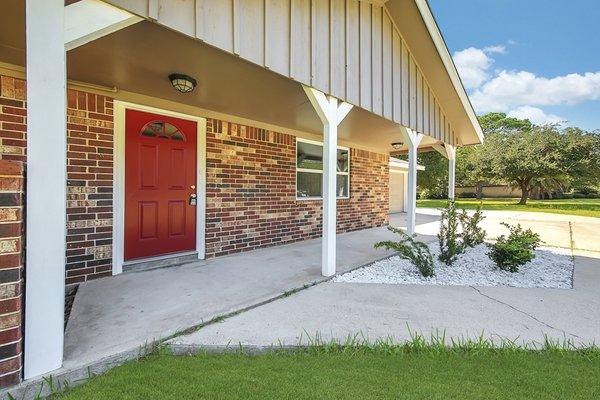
(46,186)
(451,152)
(413,139)
(331,114)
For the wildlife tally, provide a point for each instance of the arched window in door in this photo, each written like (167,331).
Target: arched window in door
(162,130)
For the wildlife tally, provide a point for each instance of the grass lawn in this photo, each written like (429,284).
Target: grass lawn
(585,207)
(338,375)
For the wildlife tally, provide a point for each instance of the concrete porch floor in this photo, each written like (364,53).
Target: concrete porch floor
(119,314)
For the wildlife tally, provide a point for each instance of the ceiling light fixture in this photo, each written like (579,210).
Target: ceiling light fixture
(182,83)
(397,145)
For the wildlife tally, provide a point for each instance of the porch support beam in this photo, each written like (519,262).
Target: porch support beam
(332,113)
(88,20)
(46,186)
(412,139)
(451,151)
(440,149)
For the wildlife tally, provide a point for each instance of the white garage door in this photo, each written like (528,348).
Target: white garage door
(396,191)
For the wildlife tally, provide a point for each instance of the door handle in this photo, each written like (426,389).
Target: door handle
(193,199)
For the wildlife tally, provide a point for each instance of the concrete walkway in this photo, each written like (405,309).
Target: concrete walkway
(118,315)
(340,310)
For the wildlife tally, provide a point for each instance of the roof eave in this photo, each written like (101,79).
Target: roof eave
(444,53)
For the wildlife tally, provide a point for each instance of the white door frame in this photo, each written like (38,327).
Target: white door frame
(118,245)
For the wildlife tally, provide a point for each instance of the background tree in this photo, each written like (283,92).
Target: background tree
(472,168)
(547,158)
(434,180)
(523,157)
(582,159)
(495,122)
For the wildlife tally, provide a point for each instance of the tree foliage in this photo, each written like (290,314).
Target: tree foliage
(516,152)
(522,157)
(434,179)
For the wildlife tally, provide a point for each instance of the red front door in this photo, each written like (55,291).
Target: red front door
(160,178)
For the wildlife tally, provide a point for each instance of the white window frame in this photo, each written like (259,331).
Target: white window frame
(312,171)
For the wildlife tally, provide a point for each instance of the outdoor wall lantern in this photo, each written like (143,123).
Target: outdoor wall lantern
(397,145)
(182,83)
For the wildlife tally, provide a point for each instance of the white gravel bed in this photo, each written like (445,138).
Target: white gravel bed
(551,268)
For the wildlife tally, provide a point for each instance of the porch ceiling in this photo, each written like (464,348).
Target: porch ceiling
(138,59)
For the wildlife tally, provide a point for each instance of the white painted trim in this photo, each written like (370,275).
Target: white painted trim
(320,103)
(342,111)
(88,20)
(45,242)
(313,171)
(439,147)
(118,246)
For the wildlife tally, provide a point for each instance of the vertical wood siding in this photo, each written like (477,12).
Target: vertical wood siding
(350,49)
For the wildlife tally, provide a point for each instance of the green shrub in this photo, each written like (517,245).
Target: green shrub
(467,195)
(411,249)
(564,196)
(448,237)
(509,253)
(472,233)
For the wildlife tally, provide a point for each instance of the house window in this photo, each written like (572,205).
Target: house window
(309,170)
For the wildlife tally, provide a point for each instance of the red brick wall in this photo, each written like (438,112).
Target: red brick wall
(89,172)
(12,118)
(89,186)
(251,191)
(11,270)
(251,195)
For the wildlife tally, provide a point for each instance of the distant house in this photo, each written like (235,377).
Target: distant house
(489,190)
(148,130)
(399,184)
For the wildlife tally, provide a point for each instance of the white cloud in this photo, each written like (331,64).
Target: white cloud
(520,93)
(510,89)
(535,115)
(495,49)
(472,65)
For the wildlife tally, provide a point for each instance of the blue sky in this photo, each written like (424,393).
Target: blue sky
(530,58)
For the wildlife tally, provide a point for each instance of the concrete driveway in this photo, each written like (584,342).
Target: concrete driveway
(340,310)
(556,230)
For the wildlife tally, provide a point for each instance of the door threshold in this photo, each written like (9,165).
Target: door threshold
(167,260)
